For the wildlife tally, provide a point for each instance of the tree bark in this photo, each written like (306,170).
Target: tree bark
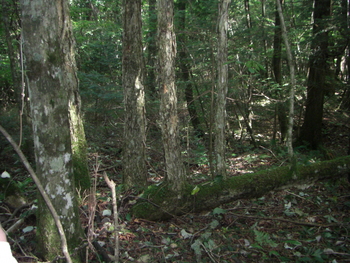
(158,204)
(311,131)
(52,81)
(220,114)
(135,172)
(175,170)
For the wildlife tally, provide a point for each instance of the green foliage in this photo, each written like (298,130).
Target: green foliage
(264,239)
(98,47)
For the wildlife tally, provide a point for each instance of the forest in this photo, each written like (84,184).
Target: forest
(175,130)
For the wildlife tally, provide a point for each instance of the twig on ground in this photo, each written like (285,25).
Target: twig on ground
(92,210)
(300,197)
(286,220)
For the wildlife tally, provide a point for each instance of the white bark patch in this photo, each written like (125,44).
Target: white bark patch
(71,228)
(46,110)
(67,158)
(59,190)
(69,199)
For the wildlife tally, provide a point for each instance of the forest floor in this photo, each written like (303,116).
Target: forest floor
(308,223)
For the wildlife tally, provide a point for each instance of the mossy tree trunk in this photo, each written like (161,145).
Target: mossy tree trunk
(157,203)
(135,172)
(52,84)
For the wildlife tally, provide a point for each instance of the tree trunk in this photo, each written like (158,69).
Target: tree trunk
(51,75)
(135,172)
(281,109)
(311,131)
(175,170)
(220,114)
(264,39)
(185,70)
(292,85)
(158,204)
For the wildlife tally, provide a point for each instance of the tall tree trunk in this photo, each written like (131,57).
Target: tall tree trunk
(51,75)
(292,85)
(345,103)
(175,171)
(220,114)
(185,69)
(311,131)
(264,38)
(277,71)
(135,172)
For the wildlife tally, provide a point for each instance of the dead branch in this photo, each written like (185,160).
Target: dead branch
(111,184)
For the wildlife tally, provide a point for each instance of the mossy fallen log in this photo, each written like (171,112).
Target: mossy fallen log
(159,202)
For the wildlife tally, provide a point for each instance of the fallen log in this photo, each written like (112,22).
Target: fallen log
(158,202)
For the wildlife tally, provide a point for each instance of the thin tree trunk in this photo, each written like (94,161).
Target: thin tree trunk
(48,50)
(292,81)
(175,170)
(281,108)
(264,37)
(152,49)
(135,172)
(220,114)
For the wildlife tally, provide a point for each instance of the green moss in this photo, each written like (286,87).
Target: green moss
(81,171)
(159,202)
